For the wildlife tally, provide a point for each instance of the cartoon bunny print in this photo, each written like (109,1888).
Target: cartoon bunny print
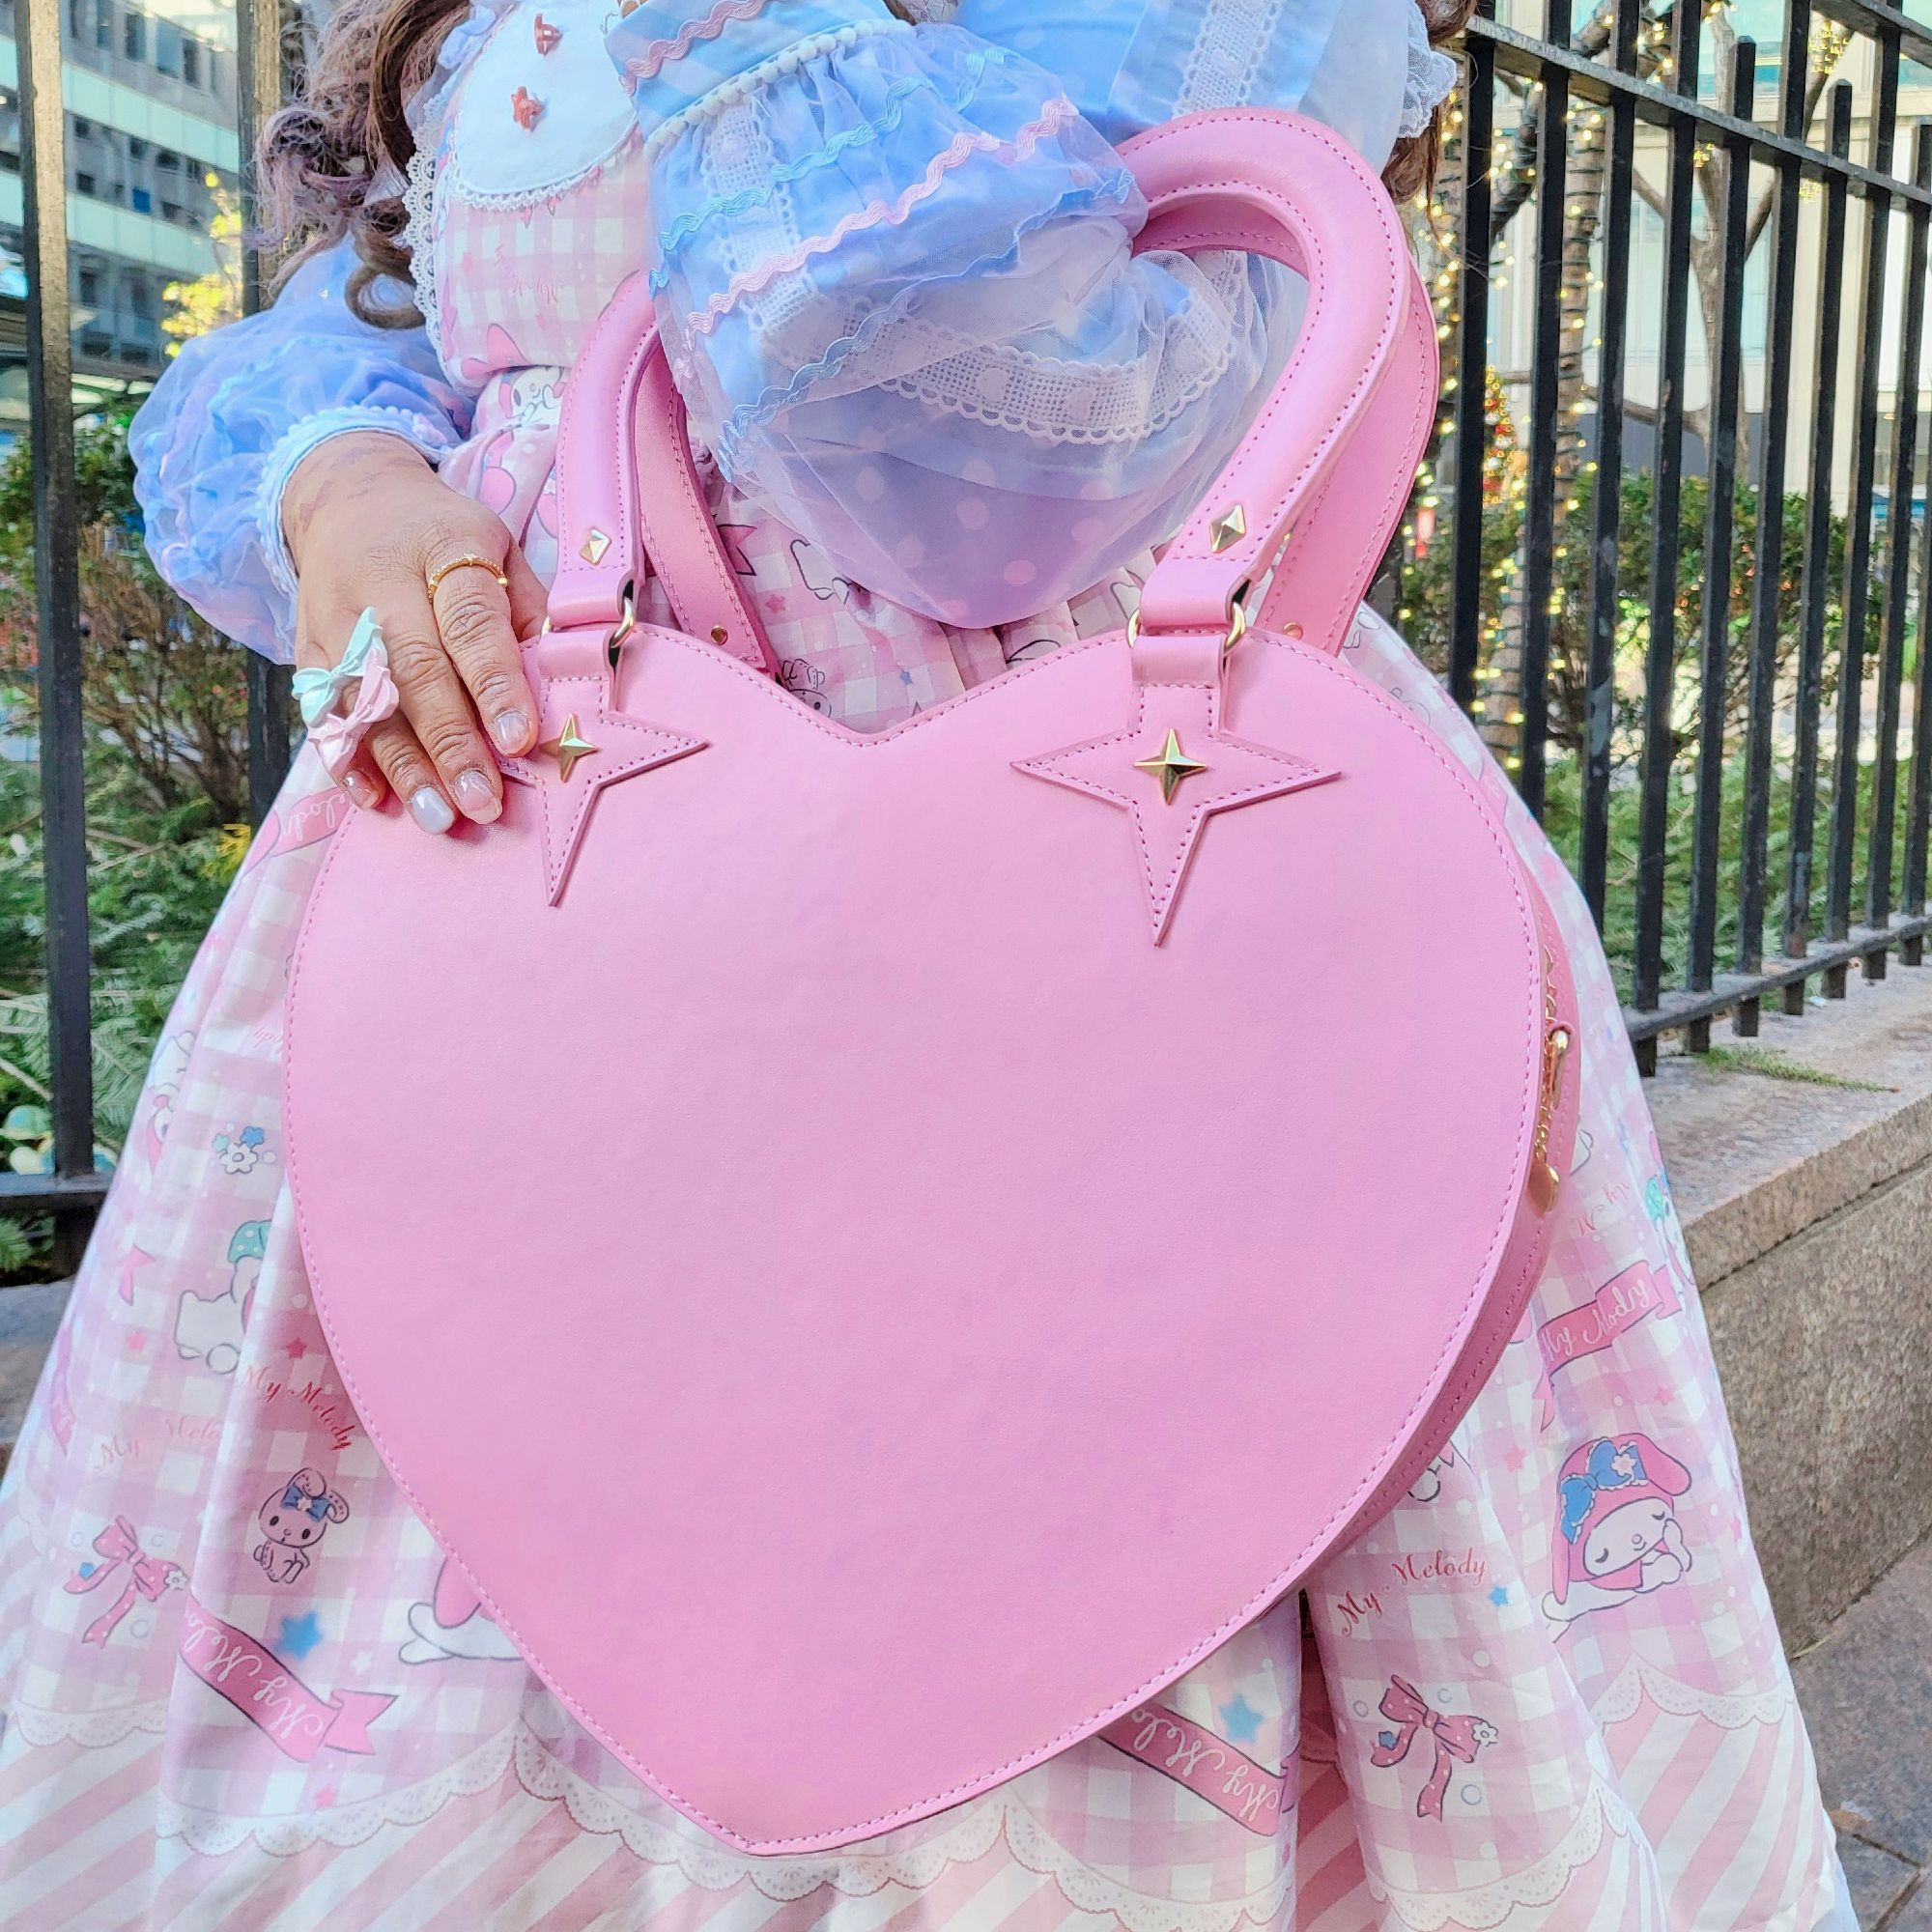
(1617,1535)
(210,1327)
(293,1522)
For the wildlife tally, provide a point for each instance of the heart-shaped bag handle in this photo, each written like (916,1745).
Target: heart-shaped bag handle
(1336,445)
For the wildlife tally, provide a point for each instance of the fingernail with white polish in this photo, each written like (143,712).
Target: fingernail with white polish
(511,729)
(431,810)
(477,799)
(361,788)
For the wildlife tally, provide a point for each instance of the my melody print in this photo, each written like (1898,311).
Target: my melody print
(293,1523)
(1617,1533)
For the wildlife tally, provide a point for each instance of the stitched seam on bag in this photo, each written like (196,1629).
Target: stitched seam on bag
(1313,1547)
(1250,551)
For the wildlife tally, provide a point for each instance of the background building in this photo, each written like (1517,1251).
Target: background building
(150,91)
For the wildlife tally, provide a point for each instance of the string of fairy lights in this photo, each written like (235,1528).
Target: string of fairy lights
(1505,462)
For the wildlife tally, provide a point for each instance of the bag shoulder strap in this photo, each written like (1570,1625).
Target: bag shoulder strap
(628,494)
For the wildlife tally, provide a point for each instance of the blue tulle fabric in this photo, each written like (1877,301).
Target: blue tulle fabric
(237,410)
(896,270)
(897,286)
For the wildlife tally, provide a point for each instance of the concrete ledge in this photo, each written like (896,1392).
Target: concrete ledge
(1802,1167)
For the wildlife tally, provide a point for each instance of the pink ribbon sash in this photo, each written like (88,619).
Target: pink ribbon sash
(1611,1312)
(288,828)
(297,1720)
(1210,1767)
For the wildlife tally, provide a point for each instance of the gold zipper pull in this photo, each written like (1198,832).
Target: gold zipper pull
(1545,1182)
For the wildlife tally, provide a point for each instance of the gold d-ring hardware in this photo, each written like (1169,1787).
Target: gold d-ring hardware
(1237,630)
(626,624)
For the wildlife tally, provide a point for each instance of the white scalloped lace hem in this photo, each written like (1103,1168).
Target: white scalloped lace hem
(714,1867)
(1604,1815)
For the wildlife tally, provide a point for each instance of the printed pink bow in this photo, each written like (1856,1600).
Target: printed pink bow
(148,1577)
(1455,1738)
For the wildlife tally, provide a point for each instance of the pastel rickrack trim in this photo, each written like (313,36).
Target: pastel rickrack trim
(660,54)
(728,94)
(336,722)
(681,233)
(885,214)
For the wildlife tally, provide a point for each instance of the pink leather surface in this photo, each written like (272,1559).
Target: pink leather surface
(1316,207)
(920,1309)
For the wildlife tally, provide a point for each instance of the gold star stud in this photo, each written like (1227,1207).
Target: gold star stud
(1228,529)
(1171,767)
(567,747)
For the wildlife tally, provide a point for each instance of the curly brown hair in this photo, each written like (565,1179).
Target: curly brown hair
(333,162)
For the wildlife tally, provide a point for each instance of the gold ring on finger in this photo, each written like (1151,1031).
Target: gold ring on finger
(469,562)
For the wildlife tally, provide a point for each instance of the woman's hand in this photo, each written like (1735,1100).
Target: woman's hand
(369,525)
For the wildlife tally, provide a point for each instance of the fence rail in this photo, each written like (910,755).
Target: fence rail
(1792,903)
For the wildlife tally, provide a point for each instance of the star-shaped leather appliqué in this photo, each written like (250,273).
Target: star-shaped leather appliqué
(584,748)
(1171,771)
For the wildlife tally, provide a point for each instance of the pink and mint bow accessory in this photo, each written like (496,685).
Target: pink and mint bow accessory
(148,1577)
(1456,1740)
(337,722)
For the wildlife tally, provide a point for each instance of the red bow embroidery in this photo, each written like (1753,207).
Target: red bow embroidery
(547,34)
(1456,1738)
(526,107)
(147,1575)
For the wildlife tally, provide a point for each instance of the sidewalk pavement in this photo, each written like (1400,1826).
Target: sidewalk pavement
(1866,1688)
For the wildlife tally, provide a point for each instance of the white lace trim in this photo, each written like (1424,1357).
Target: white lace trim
(217,1832)
(1234,37)
(711,1866)
(703,1861)
(1639,1680)
(419,232)
(1054,402)
(415,427)
(1432,75)
(427,114)
(92,1729)
(1541,1883)
(1088,1891)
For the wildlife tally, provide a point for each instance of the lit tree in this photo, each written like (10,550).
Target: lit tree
(210,300)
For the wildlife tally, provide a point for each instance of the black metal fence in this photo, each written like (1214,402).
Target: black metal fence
(1737,855)
(1750,184)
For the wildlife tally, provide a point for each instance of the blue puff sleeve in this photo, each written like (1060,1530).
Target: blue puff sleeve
(895,274)
(237,410)
(1134,65)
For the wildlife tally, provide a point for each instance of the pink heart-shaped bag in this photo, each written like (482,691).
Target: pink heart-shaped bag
(874,1255)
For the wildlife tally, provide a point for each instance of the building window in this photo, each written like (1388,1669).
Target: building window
(173,210)
(190,60)
(84,185)
(141,296)
(90,285)
(137,149)
(103,24)
(168,47)
(134,34)
(166,158)
(83,129)
(141,200)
